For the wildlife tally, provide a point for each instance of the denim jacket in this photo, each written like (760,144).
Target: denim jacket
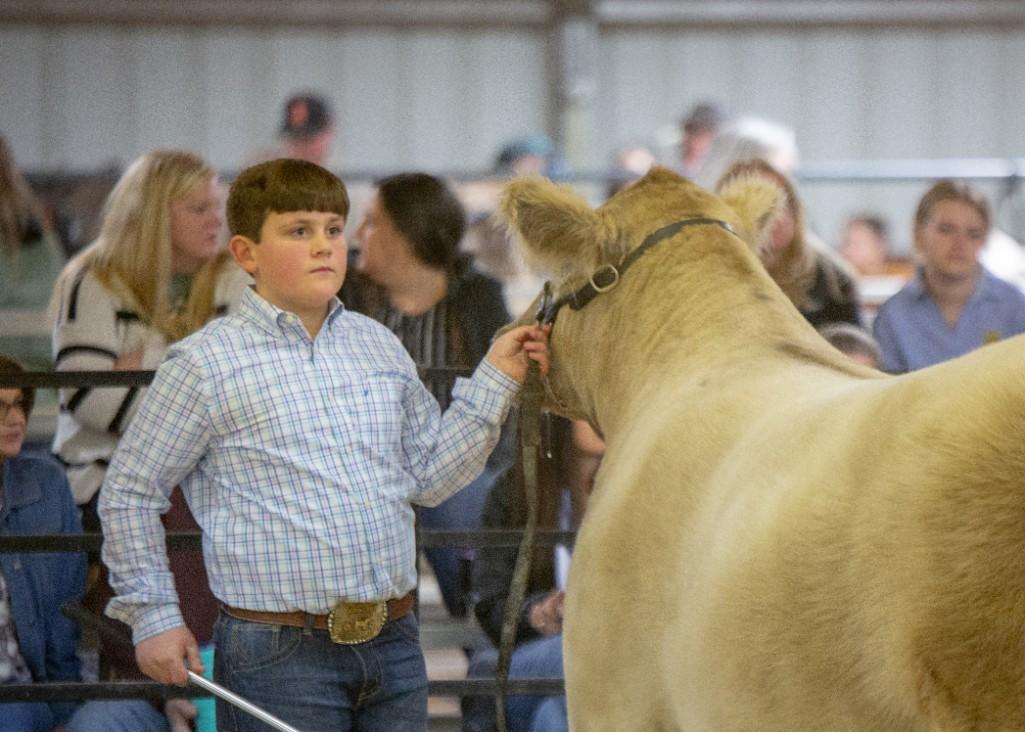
(37,500)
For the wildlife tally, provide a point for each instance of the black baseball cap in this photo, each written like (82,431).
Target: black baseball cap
(705,116)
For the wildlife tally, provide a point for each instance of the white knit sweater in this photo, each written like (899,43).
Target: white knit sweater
(94,327)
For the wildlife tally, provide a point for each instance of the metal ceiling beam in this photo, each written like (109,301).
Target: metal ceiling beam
(809,13)
(303,13)
(523,13)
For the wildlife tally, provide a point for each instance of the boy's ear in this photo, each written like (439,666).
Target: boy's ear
(242,251)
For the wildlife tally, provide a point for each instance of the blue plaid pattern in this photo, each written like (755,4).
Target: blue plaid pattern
(300,460)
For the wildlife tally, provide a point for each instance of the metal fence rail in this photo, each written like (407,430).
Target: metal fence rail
(91,542)
(80,691)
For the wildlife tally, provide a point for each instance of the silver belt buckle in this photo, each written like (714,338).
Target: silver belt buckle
(350,623)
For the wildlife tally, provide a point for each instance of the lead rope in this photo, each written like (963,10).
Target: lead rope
(531,397)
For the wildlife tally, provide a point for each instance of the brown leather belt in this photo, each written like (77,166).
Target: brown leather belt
(396,608)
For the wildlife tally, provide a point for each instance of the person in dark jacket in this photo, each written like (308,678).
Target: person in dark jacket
(37,641)
(408,273)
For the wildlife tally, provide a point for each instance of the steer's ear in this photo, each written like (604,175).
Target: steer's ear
(558,229)
(757,202)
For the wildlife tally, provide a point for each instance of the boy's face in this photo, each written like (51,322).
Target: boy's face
(299,262)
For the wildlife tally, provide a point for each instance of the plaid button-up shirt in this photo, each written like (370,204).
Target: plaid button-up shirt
(299,458)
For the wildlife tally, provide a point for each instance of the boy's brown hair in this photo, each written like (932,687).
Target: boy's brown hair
(282,186)
(8,367)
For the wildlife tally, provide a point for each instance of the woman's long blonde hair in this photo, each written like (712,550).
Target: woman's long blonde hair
(19,207)
(132,255)
(793,269)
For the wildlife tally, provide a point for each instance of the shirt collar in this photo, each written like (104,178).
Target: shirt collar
(989,285)
(916,286)
(273,319)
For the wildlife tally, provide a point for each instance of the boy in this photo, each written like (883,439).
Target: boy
(300,434)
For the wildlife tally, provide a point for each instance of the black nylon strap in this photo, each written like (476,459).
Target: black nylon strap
(606,276)
(588,292)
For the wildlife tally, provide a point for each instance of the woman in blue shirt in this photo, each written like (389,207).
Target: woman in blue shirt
(953,304)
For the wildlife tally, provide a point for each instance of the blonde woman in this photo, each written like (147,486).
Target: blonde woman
(157,272)
(30,258)
(817,281)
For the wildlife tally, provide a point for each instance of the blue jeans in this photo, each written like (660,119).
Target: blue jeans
(118,715)
(25,717)
(307,681)
(539,658)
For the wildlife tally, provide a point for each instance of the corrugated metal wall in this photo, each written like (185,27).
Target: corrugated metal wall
(79,96)
(851,94)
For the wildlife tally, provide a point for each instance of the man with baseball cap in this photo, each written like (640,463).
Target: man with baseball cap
(307,128)
(698,128)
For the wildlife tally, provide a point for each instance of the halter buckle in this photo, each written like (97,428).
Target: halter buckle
(546,308)
(604,278)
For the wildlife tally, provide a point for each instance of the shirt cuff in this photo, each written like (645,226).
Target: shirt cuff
(154,620)
(491,390)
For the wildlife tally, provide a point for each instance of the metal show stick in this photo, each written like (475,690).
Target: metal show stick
(245,706)
(108,629)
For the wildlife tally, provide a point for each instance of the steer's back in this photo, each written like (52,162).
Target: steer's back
(847,559)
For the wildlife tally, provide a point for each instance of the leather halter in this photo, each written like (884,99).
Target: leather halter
(608,275)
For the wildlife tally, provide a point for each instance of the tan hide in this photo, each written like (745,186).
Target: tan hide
(780,540)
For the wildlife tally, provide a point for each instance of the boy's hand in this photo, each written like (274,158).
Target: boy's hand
(163,656)
(512,351)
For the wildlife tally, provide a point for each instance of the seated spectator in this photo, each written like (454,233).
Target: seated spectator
(158,271)
(699,128)
(408,274)
(953,304)
(865,244)
(815,279)
(30,259)
(852,341)
(37,641)
(564,484)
